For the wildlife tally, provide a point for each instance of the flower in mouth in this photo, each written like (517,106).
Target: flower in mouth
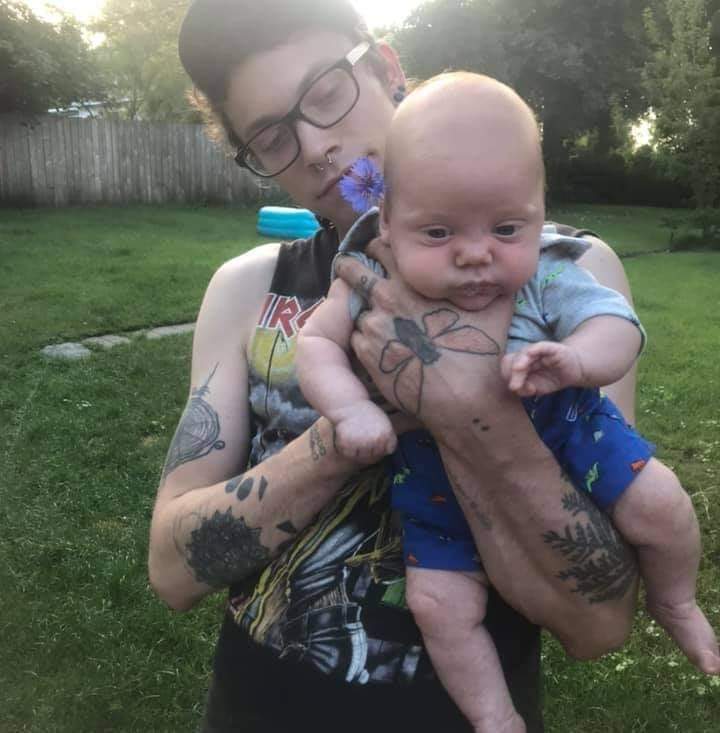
(363,185)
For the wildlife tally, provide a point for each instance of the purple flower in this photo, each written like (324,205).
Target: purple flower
(362,187)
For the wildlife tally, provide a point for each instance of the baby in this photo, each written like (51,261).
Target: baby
(463,213)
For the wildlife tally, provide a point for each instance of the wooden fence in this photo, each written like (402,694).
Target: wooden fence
(53,161)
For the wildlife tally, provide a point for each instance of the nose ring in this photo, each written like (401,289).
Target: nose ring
(330,161)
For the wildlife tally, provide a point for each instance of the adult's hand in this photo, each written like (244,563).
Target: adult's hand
(429,358)
(443,364)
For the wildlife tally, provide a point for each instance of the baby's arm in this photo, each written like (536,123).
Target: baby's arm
(363,432)
(598,352)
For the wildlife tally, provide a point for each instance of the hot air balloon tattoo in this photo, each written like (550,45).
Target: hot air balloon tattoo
(198,431)
(415,348)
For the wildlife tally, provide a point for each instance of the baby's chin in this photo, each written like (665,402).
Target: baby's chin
(473,300)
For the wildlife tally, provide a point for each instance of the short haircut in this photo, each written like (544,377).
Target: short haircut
(218,35)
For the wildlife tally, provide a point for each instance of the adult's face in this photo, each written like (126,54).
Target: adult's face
(267,85)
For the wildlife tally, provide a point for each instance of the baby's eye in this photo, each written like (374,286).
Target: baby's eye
(507,230)
(437,232)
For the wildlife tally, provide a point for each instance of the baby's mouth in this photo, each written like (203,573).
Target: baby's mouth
(475,289)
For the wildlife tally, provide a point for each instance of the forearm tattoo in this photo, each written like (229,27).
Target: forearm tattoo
(223,549)
(599,563)
(417,347)
(242,487)
(289,528)
(197,433)
(317,447)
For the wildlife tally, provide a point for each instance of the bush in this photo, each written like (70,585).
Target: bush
(644,179)
(699,229)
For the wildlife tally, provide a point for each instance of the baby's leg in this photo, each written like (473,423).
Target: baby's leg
(656,515)
(449,607)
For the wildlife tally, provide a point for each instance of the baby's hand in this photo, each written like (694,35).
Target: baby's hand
(363,433)
(542,368)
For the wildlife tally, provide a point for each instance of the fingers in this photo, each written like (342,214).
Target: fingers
(543,350)
(523,370)
(359,320)
(517,368)
(360,278)
(380,251)
(365,446)
(506,367)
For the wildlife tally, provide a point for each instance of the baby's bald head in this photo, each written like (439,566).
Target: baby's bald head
(464,113)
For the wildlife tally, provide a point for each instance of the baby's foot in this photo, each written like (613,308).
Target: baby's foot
(692,632)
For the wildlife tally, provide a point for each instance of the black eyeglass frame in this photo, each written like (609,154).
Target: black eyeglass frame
(347,63)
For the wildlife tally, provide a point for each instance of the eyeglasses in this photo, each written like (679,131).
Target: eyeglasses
(329,98)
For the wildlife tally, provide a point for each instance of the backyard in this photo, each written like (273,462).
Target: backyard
(86,644)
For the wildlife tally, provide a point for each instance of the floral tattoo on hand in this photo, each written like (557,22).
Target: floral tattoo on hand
(415,348)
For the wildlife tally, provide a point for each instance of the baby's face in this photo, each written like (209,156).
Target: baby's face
(463,227)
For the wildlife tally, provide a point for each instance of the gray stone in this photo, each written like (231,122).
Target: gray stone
(67,350)
(162,331)
(107,341)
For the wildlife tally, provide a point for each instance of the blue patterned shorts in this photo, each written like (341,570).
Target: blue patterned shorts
(598,451)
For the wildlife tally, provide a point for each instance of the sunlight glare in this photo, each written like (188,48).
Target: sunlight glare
(377,13)
(83,10)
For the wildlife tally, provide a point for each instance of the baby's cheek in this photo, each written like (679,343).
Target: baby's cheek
(429,279)
(522,267)
(414,271)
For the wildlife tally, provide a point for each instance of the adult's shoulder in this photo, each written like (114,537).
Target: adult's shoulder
(600,259)
(248,272)
(235,295)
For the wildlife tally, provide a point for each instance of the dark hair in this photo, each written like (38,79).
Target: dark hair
(218,35)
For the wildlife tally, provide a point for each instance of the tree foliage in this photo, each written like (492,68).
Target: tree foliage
(139,58)
(578,64)
(683,86)
(44,64)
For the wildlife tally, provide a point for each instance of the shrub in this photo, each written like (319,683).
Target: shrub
(699,229)
(646,178)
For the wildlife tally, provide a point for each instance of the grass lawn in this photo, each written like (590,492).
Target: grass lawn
(81,272)
(630,230)
(86,647)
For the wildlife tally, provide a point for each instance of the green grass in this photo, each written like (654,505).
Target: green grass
(648,686)
(630,230)
(86,647)
(80,272)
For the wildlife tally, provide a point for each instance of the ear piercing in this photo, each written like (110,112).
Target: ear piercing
(399,94)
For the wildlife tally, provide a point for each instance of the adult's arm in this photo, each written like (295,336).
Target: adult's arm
(215,523)
(545,547)
(605,265)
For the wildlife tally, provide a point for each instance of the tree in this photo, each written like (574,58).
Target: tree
(577,63)
(44,65)
(140,60)
(683,86)
(714,13)
(446,35)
